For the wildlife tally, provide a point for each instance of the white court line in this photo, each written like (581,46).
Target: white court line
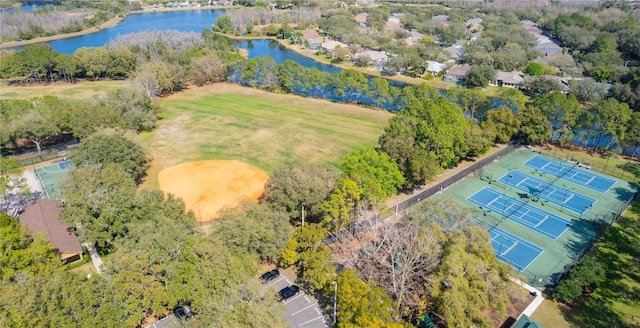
(308,306)
(309,321)
(541,221)
(509,249)
(590,180)
(543,166)
(491,202)
(521,181)
(568,198)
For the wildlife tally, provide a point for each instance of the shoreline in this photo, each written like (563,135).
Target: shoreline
(111,22)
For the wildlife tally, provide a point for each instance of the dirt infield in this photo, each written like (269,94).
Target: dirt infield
(209,186)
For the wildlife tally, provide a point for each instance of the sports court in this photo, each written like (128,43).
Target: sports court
(571,173)
(529,216)
(538,223)
(545,190)
(512,249)
(50,176)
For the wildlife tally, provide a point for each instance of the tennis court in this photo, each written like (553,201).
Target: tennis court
(529,216)
(571,173)
(510,248)
(545,190)
(50,176)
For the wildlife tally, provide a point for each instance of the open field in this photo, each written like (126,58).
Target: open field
(266,130)
(81,90)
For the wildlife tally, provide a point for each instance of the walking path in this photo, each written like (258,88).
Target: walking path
(95,258)
(533,306)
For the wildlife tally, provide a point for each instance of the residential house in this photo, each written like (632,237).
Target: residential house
(393,24)
(474,23)
(562,81)
(456,74)
(453,52)
(513,79)
(331,46)
(442,19)
(434,67)
(311,40)
(44,217)
(377,58)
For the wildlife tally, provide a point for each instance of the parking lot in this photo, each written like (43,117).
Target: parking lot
(301,309)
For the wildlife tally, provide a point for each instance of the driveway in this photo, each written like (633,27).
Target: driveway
(301,310)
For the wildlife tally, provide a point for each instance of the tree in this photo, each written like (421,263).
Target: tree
(295,184)
(425,137)
(134,106)
(379,91)
(632,135)
(559,109)
(98,202)
(37,124)
(479,76)
(375,172)
(502,122)
(110,146)
(312,257)
(541,85)
(207,69)
(339,208)
(534,127)
(478,140)
(534,69)
(363,305)
(255,229)
(587,90)
(92,62)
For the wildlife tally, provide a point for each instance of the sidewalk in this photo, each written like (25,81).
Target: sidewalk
(95,258)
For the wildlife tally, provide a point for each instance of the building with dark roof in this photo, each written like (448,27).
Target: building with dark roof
(44,216)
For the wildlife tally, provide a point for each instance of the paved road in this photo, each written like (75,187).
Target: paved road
(301,310)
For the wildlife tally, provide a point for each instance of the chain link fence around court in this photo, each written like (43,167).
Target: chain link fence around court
(601,223)
(401,208)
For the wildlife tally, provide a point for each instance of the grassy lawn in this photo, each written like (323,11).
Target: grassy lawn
(81,90)
(550,315)
(226,121)
(616,302)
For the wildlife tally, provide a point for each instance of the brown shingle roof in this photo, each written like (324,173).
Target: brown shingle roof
(43,216)
(310,34)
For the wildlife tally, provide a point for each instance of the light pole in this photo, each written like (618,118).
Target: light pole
(335,297)
(302,214)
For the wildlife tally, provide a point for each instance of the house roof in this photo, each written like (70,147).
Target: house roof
(435,66)
(454,53)
(527,322)
(474,21)
(563,82)
(440,18)
(515,77)
(310,34)
(460,70)
(361,18)
(332,44)
(373,55)
(43,216)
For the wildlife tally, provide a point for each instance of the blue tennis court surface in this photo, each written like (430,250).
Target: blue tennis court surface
(512,249)
(529,216)
(573,201)
(64,165)
(571,173)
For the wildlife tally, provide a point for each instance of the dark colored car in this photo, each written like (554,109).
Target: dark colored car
(183,313)
(270,275)
(288,292)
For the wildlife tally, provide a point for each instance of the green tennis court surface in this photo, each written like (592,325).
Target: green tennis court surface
(571,174)
(540,234)
(50,176)
(547,191)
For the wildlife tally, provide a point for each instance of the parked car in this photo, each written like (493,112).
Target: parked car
(270,275)
(288,292)
(183,313)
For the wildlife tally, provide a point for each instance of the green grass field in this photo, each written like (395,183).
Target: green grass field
(266,130)
(81,90)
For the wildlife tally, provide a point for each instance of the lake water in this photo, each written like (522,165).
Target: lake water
(186,21)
